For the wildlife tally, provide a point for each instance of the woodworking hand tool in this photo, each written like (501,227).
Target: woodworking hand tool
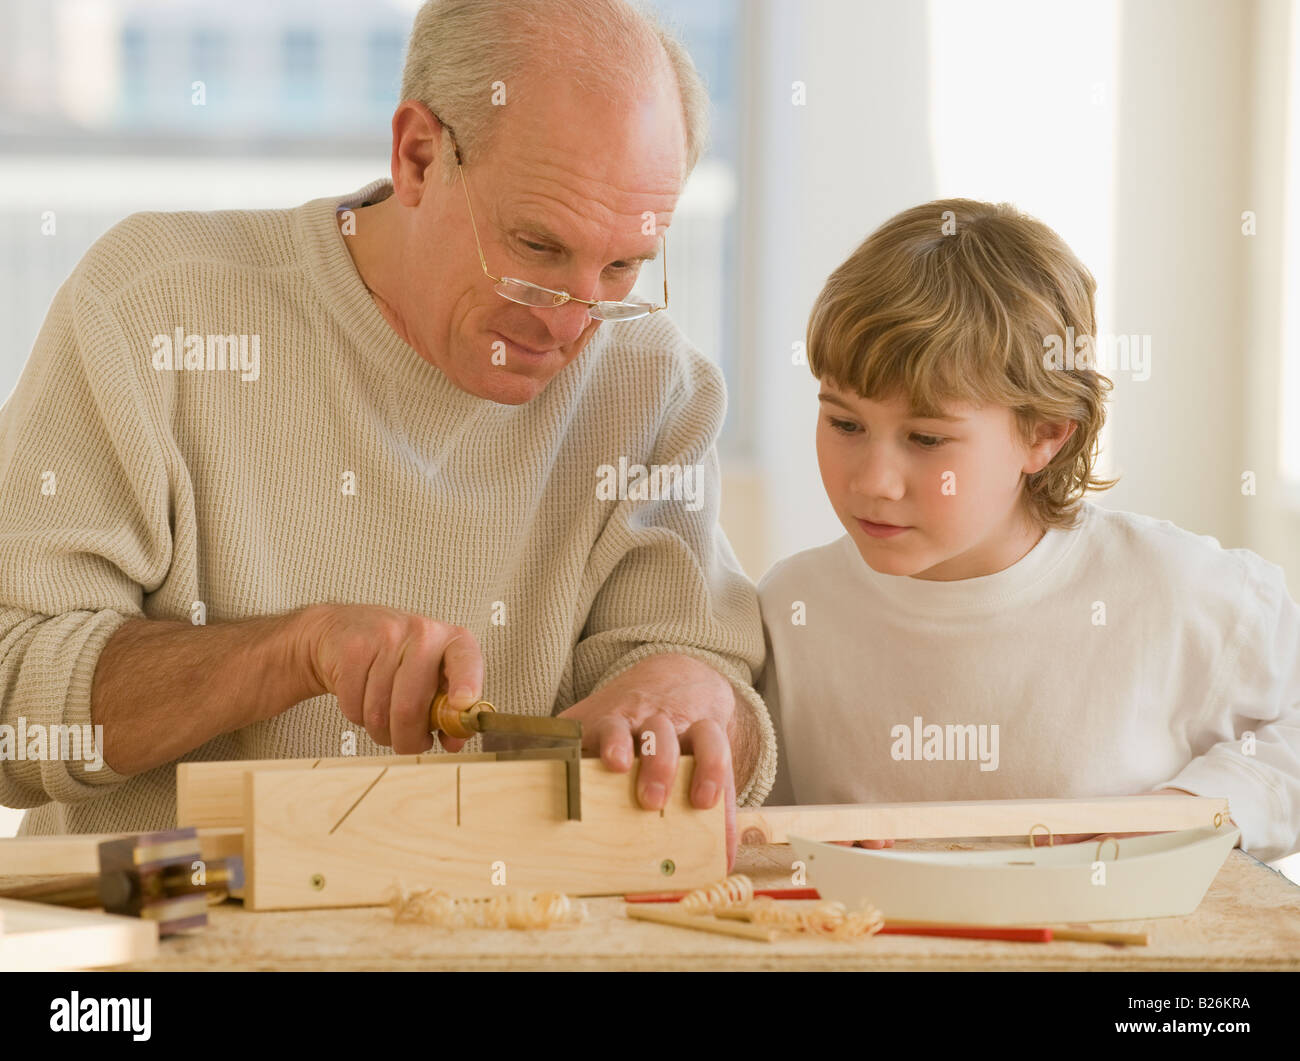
(510,736)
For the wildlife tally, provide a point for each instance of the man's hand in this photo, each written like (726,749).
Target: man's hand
(386,667)
(664,706)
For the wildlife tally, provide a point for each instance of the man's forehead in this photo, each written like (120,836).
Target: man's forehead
(569,211)
(573,163)
(529,224)
(602,133)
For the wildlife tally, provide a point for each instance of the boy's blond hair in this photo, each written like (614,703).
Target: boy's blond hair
(955,300)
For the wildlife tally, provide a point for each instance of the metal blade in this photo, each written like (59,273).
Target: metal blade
(534,737)
(566,730)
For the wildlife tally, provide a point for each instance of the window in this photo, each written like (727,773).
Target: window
(385,52)
(208,49)
(704,255)
(299,56)
(135,64)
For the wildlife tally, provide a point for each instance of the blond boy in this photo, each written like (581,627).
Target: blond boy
(981,632)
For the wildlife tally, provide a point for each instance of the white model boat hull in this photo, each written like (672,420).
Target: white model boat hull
(1165,875)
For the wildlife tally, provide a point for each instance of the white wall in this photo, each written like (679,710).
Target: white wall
(820,177)
(1183,166)
(1272,190)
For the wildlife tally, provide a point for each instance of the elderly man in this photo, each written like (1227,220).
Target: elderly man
(271,478)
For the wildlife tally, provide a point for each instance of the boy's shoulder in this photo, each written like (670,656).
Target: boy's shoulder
(824,565)
(1159,554)
(1157,540)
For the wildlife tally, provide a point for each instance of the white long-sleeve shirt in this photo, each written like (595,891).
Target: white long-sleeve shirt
(1118,657)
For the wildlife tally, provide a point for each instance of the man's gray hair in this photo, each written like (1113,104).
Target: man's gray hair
(460,48)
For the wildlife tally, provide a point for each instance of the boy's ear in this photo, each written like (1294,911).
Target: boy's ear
(1049,437)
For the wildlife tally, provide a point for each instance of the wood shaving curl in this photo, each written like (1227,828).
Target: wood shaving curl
(829,920)
(736,890)
(519,910)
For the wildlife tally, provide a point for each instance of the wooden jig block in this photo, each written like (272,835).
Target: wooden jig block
(322,833)
(210,795)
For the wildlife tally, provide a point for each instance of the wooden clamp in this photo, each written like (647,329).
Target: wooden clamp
(161,877)
(48,856)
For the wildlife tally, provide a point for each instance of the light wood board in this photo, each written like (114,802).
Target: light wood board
(1006,817)
(38,937)
(356,830)
(211,794)
(79,853)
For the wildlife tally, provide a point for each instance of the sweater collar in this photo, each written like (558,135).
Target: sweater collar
(346,297)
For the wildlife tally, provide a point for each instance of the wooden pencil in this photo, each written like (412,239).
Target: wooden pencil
(1085,935)
(700,922)
(1009,933)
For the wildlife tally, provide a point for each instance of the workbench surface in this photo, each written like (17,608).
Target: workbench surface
(1249,920)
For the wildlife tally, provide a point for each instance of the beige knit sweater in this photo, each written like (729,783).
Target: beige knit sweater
(337,465)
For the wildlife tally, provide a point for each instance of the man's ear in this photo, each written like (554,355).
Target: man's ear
(1049,436)
(417,151)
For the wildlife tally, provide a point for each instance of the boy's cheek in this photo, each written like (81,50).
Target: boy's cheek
(835,481)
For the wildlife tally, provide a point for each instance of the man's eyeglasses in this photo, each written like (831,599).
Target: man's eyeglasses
(526,294)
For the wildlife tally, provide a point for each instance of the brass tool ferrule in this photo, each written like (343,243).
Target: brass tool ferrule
(460,724)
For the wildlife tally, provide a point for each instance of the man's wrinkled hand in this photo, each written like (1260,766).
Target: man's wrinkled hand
(663,707)
(386,666)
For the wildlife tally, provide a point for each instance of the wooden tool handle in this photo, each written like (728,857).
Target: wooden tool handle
(442,716)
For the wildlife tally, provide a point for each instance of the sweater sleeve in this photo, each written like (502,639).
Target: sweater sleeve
(1253,752)
(667,580)
(84,532)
